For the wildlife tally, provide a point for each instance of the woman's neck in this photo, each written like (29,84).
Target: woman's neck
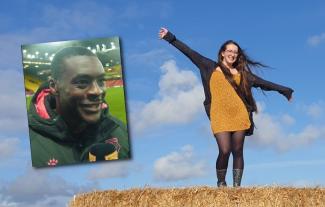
(231,69)
(228,66)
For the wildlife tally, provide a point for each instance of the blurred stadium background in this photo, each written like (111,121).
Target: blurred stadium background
(37,62)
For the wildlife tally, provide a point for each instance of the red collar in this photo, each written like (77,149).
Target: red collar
(40,104)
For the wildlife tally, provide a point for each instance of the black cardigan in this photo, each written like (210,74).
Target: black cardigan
(207,66)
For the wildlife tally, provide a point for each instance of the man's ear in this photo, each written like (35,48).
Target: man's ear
(53,87)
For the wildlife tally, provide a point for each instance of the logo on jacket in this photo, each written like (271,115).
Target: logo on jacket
(52,162)
(104,151)
(114,141)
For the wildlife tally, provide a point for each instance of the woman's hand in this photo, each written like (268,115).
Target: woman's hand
(163,31)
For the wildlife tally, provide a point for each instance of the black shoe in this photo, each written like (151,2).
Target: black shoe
(221,175)
(222,184)
(237,175)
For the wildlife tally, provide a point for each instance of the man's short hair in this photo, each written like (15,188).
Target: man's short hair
(56,64)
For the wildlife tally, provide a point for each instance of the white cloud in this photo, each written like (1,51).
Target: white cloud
(10,51)
(309,134)
(4,202)
(287,119)
(39,188)
(179,99)
(315,110)
(151,57)
(52,201)
(316,40)
(13,105)
(8,147)
(84,15)
(179,166)
(174,80)
(118,169)
(271,132)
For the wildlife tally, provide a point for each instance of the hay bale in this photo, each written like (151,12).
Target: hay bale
(203,196)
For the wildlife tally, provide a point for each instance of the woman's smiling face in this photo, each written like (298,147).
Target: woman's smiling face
(230,54)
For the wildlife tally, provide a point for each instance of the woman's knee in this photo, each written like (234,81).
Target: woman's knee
(224,152)
(237,152)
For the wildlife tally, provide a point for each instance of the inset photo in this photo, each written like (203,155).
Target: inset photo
(75,102)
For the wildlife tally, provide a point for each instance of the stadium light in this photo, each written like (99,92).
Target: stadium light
(113,46)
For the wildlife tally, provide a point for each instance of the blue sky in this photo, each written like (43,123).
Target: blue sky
(171,139)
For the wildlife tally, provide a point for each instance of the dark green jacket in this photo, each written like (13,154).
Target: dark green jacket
(53,144)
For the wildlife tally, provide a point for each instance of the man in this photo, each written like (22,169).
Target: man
(68,118)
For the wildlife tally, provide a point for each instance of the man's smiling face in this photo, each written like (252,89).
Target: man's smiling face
(80,89)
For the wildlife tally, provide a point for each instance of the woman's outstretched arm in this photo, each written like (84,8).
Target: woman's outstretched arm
(200,61)
(269,86)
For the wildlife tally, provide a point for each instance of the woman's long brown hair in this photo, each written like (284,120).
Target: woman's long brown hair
(243,64)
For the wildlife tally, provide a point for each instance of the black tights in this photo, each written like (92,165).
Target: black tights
(230,142)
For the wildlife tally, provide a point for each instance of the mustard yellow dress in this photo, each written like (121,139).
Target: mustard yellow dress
(228,112)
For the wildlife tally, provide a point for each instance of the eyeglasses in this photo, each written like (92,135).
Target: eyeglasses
(231,51)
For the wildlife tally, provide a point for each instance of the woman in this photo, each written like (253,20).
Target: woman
(229,102)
